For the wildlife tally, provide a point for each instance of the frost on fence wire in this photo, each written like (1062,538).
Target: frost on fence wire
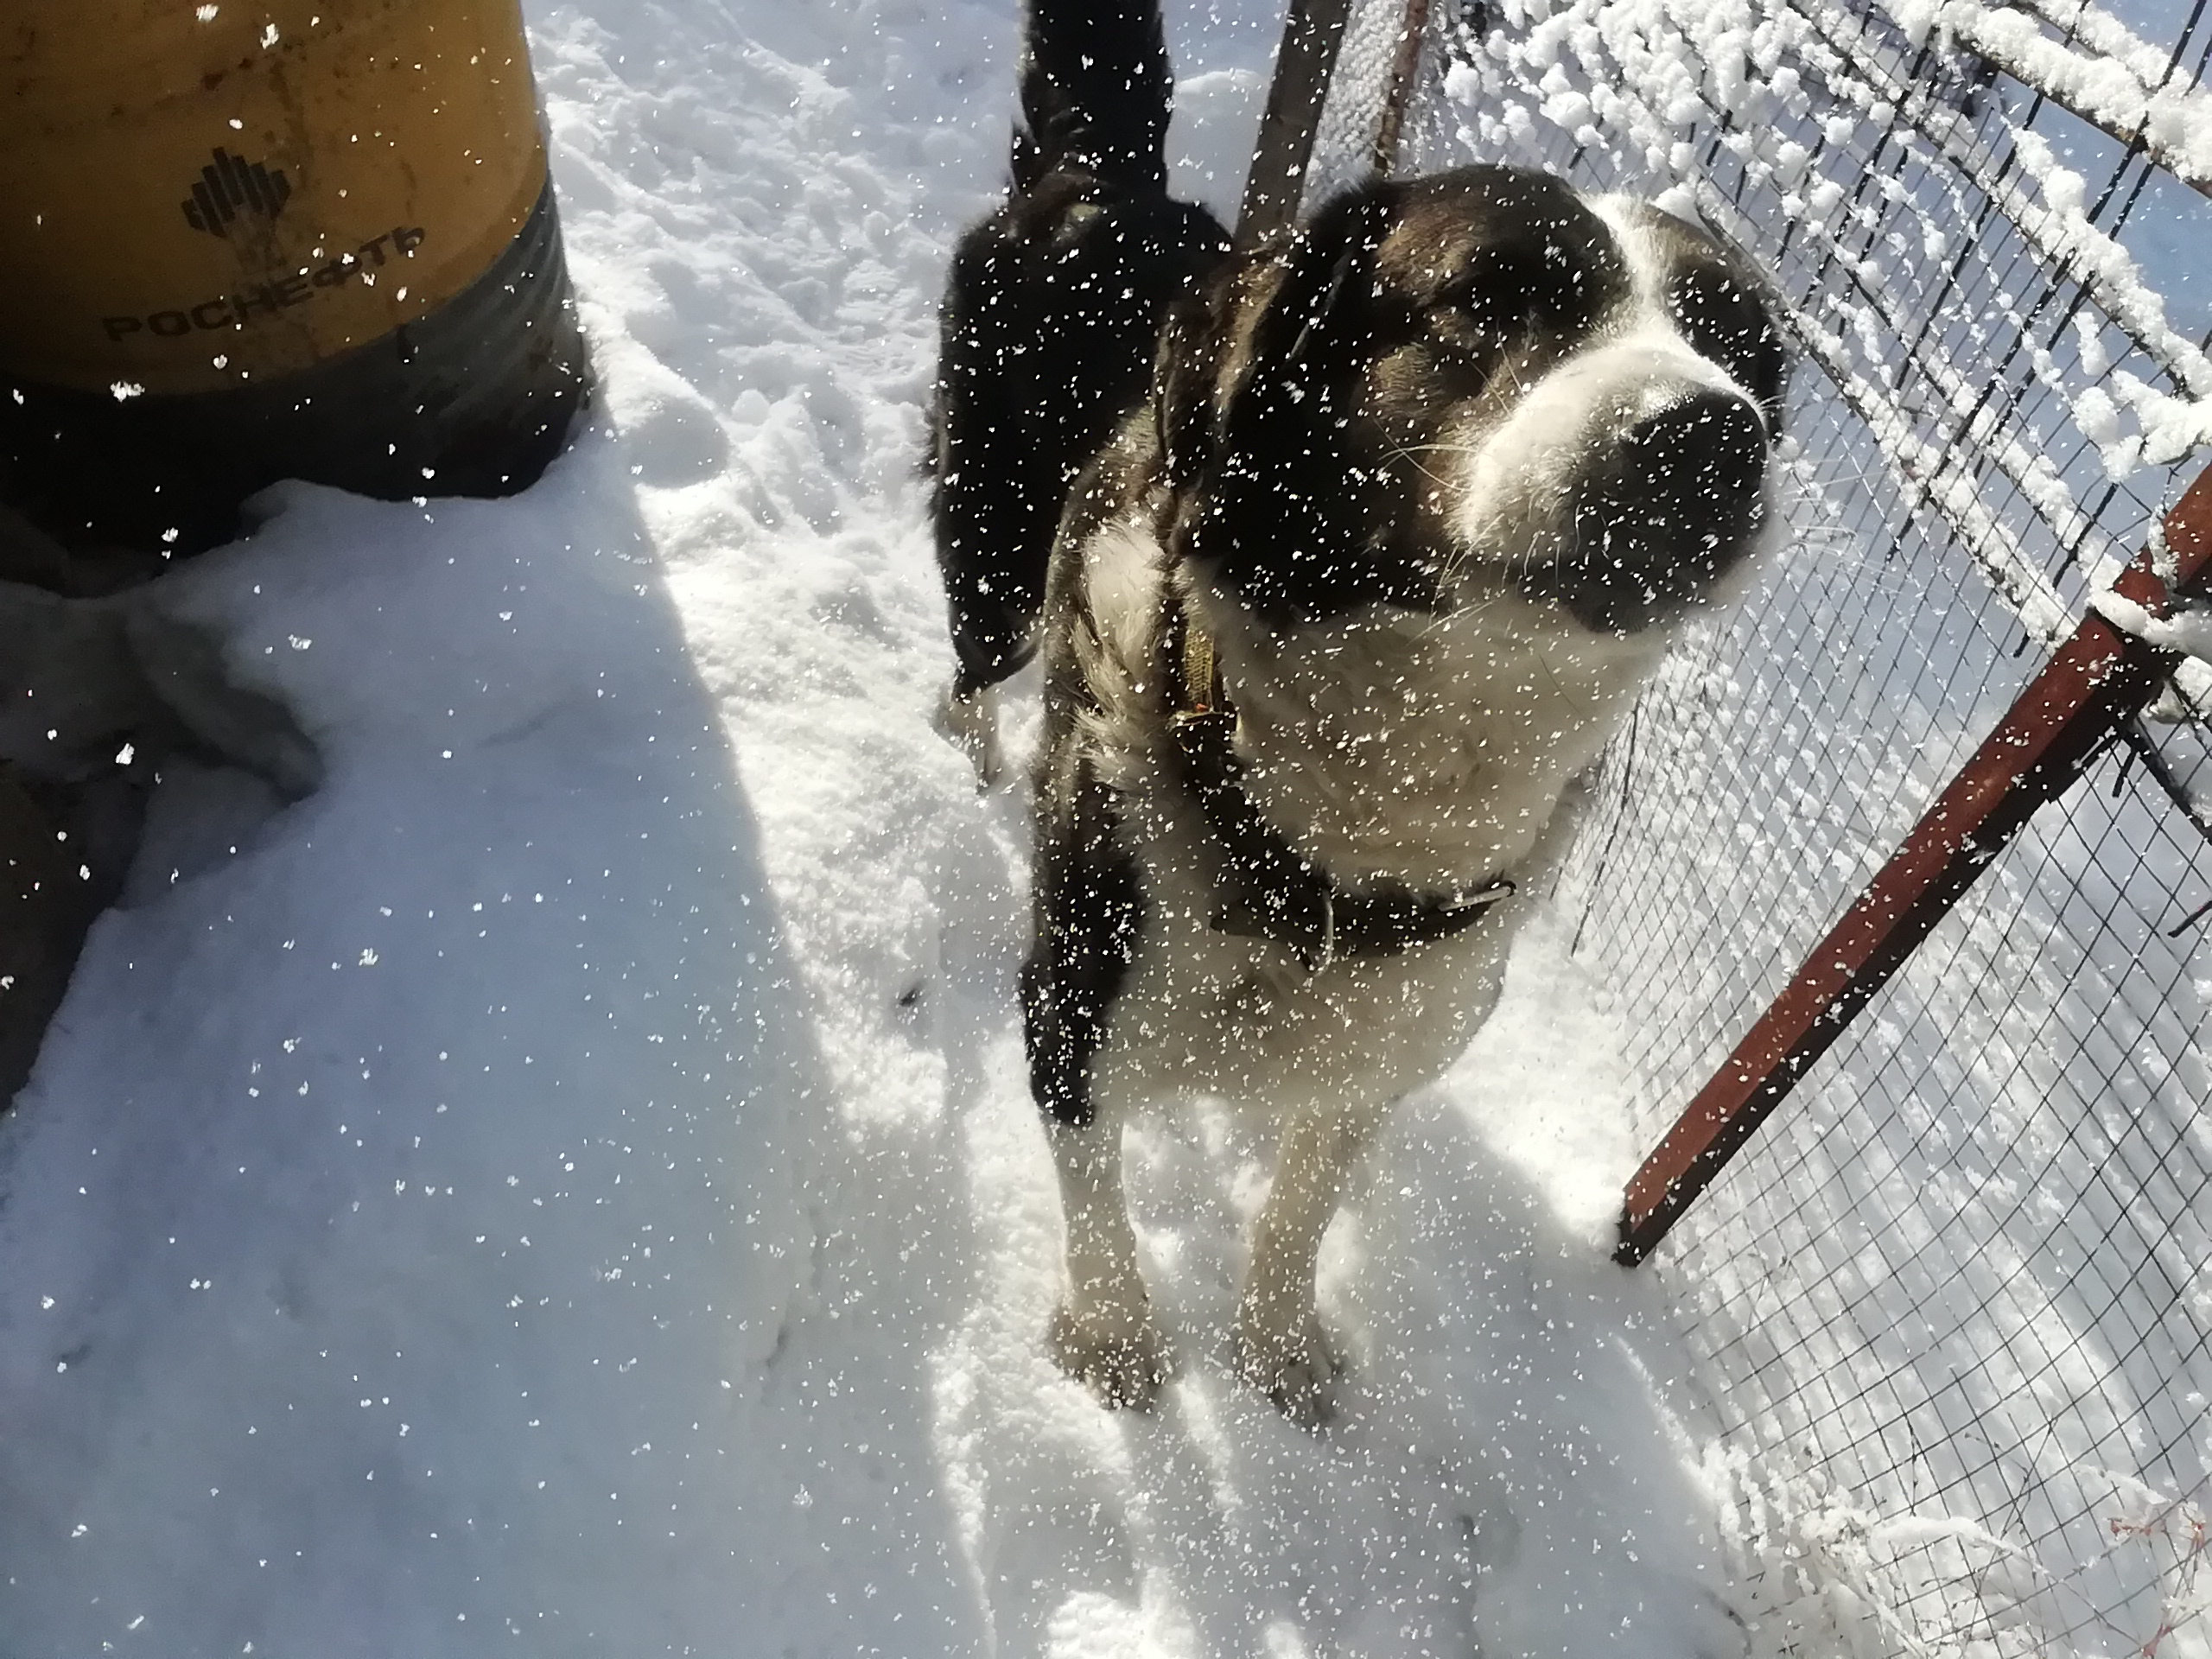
(1952,1307)
(1355,109)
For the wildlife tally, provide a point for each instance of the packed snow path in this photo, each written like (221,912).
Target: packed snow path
(565,1187)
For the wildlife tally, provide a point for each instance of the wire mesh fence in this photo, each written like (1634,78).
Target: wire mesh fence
(1954,1306)
(1376,80)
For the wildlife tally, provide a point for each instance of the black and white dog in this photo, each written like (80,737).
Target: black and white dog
(1346,557)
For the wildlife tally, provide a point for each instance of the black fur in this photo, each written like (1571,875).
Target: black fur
(1088,908)
(1723,316)
(1304,480)
(1095,93)
(1662,519)
(1052,314)
(1266,466)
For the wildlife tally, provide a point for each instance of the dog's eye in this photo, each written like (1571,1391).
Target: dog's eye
(1481,304)
(1512,287)
(1497,296)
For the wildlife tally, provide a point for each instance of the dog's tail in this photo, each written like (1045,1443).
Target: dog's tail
(1095,93)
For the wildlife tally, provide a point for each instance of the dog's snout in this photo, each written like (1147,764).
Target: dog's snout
(1673,504)
(1709,449)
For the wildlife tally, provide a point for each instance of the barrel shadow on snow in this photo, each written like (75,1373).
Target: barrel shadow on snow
(422,1227)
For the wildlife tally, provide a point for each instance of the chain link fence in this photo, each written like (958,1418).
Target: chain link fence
(1953,1307)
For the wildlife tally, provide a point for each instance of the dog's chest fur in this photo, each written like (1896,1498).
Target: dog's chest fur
(1398,750)
(1430,751)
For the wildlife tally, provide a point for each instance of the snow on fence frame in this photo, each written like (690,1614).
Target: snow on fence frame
(1953,1307)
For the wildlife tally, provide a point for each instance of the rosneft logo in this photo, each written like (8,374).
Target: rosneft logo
(226,185)
(251,304)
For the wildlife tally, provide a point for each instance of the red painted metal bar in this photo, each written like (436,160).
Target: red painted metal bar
(2098,677)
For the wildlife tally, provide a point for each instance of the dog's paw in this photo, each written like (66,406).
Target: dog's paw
(971,722)
(1124,1367)
(1298,1373)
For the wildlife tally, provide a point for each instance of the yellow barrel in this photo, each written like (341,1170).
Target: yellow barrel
(244,241)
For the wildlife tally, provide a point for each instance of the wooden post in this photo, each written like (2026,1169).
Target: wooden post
(1304,62)
(2100,676)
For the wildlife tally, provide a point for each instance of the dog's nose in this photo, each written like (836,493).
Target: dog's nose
(1707,451)
(1676,504)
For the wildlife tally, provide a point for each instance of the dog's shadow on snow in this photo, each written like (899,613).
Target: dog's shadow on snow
(1508,1471)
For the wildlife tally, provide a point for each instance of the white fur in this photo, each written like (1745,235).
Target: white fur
(1424,750)
(1514,477)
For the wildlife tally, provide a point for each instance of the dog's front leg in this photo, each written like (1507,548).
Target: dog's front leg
(1089,914)
(1103,1334)
(1280,1350)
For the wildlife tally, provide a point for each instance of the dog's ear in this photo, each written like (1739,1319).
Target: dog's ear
(1269,325)
(1311,323)
(1328,271)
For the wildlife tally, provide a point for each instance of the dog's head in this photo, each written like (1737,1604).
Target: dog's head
(1440,391)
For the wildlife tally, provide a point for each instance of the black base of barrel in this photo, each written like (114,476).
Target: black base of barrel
(474,398)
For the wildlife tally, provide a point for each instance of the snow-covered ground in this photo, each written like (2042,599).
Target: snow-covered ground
(566,1187)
